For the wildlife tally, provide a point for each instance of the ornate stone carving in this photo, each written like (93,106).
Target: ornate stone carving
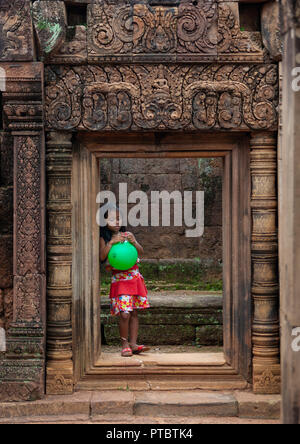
(183,31)
(162,97)
(28,191)
(74,48)
(154,31)
(60,385)
(197,30)
(16,114)
(22,367)
(16,36)
(265,287)
(110,30)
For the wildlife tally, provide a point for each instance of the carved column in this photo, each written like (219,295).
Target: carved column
(59,249)
(22,370)
(265,288)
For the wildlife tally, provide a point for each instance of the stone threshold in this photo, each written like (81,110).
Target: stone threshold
(167,359)
(118,405)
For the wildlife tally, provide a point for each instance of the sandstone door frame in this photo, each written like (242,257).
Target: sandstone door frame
(234,149)
(22,369)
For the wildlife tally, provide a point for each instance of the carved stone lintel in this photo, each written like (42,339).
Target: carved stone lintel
(59,285)
(265,286)
(162,97)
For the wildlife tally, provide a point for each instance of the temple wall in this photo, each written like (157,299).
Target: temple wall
(170,175)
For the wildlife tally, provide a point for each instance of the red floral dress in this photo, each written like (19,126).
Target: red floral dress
(128,291)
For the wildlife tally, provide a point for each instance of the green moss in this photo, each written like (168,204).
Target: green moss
(194,275)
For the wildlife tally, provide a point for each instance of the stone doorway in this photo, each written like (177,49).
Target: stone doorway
(229,370)
(223,96)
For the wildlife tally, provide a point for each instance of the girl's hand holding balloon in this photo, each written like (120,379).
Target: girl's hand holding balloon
(130,237)
(120,237)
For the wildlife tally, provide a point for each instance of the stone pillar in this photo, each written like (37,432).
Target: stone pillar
(265,291)
(59,249)
(22,369)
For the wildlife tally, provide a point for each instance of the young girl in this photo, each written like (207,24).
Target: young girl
(128,292)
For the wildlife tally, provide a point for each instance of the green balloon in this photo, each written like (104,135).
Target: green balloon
(122,255)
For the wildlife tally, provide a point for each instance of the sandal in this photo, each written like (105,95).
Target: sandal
(126,352)
(140,349)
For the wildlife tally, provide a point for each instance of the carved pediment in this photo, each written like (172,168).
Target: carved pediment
(146,31)
(168,31)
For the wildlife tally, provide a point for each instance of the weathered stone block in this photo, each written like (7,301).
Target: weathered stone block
(50,22)
(181,403)
(258,406)
(160,316)
(105,171)
(209,335)
(167,182)
(155,335)
(271,32)
(149,166)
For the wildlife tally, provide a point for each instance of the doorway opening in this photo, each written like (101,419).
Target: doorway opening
(199,323)
(181,265)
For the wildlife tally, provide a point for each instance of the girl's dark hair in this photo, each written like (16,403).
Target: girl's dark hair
(105,232)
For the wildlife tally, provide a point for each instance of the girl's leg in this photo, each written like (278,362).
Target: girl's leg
(124,328)
(134,329)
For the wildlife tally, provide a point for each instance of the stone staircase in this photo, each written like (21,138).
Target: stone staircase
(156,407)
(177,317)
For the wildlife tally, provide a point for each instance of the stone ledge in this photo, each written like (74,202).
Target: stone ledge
(180,299)
(258,406)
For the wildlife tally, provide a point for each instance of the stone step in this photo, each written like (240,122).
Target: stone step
(192,404)
(135,420)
